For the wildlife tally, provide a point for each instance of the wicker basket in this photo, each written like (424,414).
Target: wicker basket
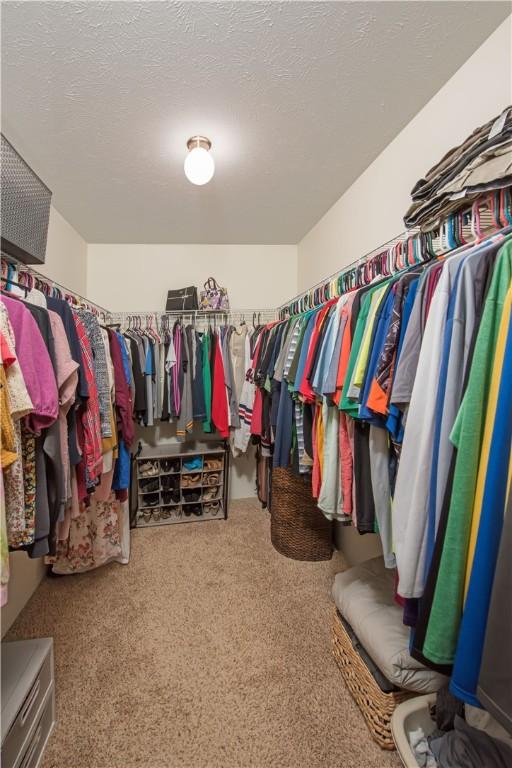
(376,706)
(298,529)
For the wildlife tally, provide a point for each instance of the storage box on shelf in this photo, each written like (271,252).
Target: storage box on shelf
(182,487)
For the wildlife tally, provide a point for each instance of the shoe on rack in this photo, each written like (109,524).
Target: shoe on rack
(212,478)
(213,463)
(171,497)
(147,515)
(148,468)
(151,500)
(169,482)
(191,494)
(209,494)
(212,508)
(189,481)
(196,509)
(170,465)
(156,514)
(150,485)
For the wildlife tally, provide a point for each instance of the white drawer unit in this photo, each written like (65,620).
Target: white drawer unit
(28,701)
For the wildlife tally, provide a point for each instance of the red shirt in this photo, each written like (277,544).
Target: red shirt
(219,398)
(305,387)
(89,435)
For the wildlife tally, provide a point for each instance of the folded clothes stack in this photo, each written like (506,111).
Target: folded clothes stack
(482,163)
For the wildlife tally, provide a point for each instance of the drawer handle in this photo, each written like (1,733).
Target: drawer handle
(32,697)
(30,754)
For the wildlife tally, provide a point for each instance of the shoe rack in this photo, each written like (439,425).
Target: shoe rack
(186,487)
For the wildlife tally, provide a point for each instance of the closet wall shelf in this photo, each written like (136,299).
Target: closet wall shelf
(258,314)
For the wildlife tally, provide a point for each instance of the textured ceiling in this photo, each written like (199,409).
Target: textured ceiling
(297,97)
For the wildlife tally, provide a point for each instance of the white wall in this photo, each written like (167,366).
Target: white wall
(371,211)
(66,262)
(66,255)
(137,277)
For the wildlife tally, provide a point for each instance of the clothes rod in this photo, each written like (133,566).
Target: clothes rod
(24,269)
(196,313)
(353,265)
(479,216)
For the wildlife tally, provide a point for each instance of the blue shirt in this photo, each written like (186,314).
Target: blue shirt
(394,420)
(304,350)
(468,656)
(384,314)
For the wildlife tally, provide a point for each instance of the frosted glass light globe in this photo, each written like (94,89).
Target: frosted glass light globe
(199,166)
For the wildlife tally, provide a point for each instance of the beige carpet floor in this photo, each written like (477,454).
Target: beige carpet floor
(209,650)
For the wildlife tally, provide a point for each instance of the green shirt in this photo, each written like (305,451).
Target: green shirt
(207,383)
(347,404)
(446,612)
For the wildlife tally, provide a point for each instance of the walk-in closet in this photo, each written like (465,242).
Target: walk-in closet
(255,384)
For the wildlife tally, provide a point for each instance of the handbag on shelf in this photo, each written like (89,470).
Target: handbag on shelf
(182,299)
(214,297)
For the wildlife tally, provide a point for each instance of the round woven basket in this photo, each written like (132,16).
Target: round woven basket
(298,529)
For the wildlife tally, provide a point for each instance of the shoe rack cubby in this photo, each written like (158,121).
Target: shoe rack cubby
(185,487)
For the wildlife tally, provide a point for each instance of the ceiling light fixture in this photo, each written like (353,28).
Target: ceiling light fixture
(199,164)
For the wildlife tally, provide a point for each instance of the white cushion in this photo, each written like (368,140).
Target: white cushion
(364,597)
